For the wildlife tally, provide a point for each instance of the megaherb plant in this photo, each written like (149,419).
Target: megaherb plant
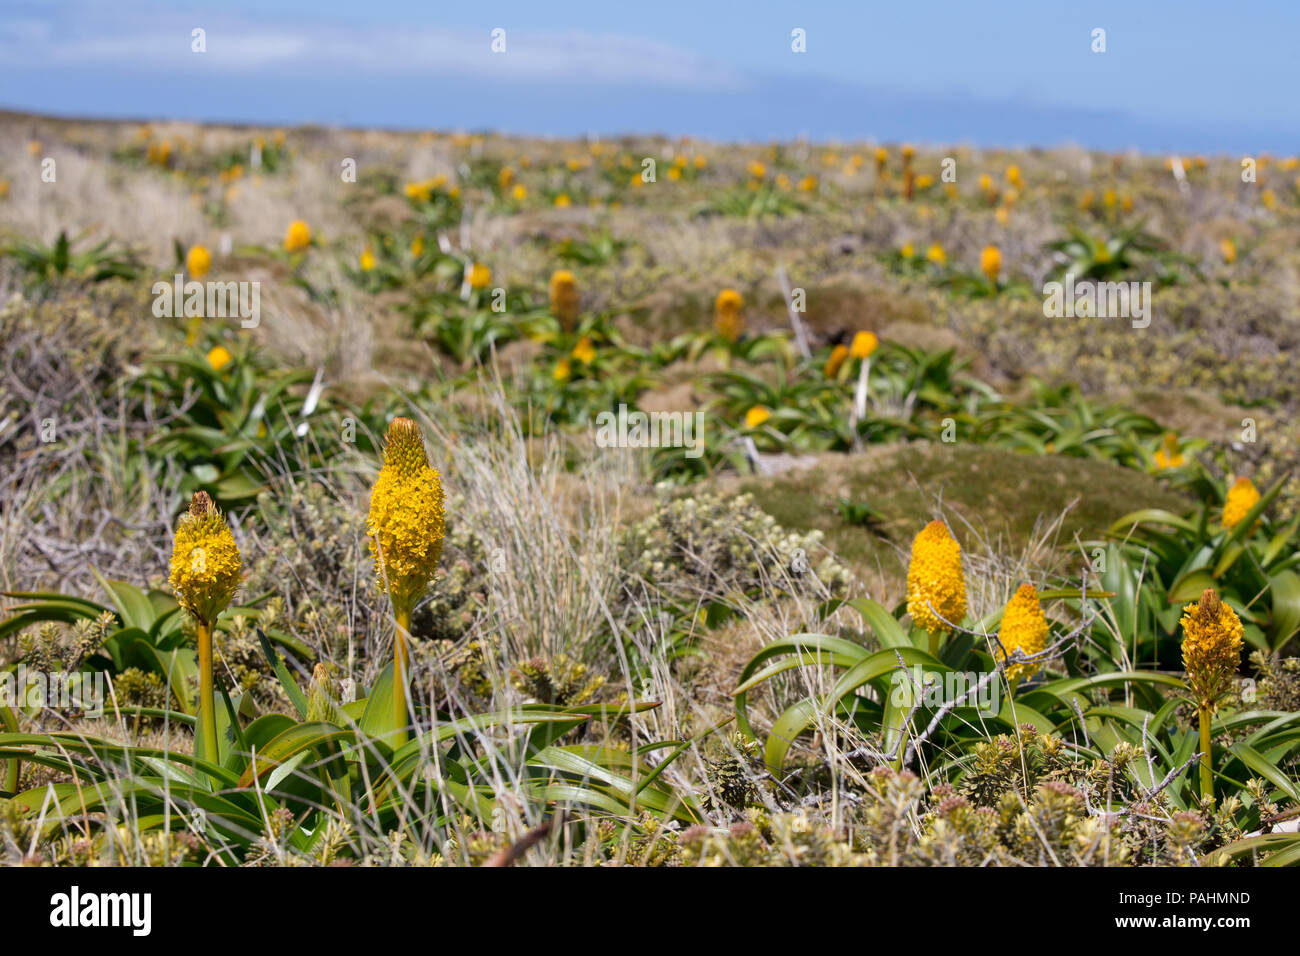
(377,778)
(1157,560)
(43,264)
(227,415)
(918,698)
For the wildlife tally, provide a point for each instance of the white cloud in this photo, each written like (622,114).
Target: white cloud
(84,35)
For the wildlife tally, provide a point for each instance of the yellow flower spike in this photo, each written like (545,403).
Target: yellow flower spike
(991,262)
(198,261)
(562,201)
(1014,177)
(936,254)
(1212,637)
(367,260)
(1024,627)
(727,318)
(836,361)
(1242,496)
(297,237)
(406,525)
(205,573)
(219,358)
(756,416)
(417,246)
(756,169)
(205,562)
(584,351)
(565,299)
(936,587)
(1212,640)
(563,370)
(908,250)
(519,193)
(864,343)
(1228,249)
(480,276)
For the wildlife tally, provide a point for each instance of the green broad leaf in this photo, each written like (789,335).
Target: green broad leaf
(377,720)
(883,625)
(1257,763)
(177,772)
(1151,516)
(291,688)
(283,770)
(294,740)
(1190,586)
(133,605)
(1285,588)
(1280,542)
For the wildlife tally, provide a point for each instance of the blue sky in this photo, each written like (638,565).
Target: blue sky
(1190,75)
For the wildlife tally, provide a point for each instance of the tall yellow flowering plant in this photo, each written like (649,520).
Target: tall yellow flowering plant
(406,526)
(205,571)
(1212,636)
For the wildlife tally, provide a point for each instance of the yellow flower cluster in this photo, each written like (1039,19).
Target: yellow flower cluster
(935,580)
(297,237)
(1212,635)
(836,361)
(565,301)
(479,276)
(864,343)
(991,262)
(198,261)
(1242,496)
(219,358)
(205,563)
(422,190)
(727,319)
(407,522)
(1024,627)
